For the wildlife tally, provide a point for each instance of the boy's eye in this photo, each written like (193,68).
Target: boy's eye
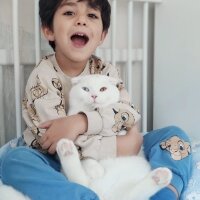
(93,16)
(69,13)
(103,89)
(85,89)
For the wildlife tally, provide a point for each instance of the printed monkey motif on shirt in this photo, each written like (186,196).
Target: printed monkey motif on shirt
(124,120)
(38,91)
(95,65)
(35,143)
(60,108)
(177,147)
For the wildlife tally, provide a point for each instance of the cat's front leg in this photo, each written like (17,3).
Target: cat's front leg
(93,168)
(70,162)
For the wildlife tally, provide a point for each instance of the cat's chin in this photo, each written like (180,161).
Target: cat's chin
(96,106)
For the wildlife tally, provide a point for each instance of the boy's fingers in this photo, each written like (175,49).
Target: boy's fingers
(46,145)
(43,139)
(52,148)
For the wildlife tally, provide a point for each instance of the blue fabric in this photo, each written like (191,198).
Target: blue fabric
(192,192)
(159,157)
(10,145)
(164,194)
(38,176)
(42,171)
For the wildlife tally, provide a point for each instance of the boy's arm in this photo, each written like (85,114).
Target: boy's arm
(129,144)
(67,127)
(70,127)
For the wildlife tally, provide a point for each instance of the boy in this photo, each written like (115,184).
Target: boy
(74,29)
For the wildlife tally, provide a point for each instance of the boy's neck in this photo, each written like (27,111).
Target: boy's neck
(70,68)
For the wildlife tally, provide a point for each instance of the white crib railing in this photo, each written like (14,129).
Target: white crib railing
(131,54)
(17,69)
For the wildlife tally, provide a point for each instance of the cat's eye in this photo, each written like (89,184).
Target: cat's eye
(85,89)
(103,89)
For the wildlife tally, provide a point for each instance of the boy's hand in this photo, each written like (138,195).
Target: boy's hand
(67,127)
(129,144)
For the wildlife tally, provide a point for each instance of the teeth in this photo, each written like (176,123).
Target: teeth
(80,34)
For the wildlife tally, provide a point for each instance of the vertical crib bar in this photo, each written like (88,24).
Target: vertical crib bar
(144,67)
(129,72)
(2,125)
(37,33)
(15,11)
(113,39)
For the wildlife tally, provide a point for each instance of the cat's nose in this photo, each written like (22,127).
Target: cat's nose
(94,96)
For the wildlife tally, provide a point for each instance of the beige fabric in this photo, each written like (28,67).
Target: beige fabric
(46,97)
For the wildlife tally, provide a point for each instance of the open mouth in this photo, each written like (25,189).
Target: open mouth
(79,39)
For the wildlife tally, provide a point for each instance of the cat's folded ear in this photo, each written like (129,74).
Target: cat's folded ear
(117,82)
(112,80)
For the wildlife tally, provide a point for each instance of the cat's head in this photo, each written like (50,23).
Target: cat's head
(95,90)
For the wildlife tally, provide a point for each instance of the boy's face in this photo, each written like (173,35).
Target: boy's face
(77,31)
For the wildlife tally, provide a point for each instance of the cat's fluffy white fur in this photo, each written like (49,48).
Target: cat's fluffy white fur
(122,178)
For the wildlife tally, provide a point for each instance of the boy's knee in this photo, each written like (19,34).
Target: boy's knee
(13,162)
(175,131)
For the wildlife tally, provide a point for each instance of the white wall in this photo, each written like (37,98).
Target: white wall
(177,65)
(26,12)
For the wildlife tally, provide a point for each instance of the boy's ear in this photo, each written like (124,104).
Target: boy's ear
(103,36)
(48,33)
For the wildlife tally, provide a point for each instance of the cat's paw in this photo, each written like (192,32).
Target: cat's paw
(66,148)
(161,176)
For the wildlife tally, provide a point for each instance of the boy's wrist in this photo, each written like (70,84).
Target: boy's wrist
(129,144)
(83,122)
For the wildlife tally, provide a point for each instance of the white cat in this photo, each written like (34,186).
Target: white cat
(122,178)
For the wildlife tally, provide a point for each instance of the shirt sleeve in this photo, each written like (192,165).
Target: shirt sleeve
(44,99)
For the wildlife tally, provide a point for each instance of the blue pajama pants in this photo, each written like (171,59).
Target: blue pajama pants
(38,175)
(170,147)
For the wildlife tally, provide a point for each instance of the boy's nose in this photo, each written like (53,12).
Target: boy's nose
(81,21)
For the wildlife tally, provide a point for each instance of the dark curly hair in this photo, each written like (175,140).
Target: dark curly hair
(48,8)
